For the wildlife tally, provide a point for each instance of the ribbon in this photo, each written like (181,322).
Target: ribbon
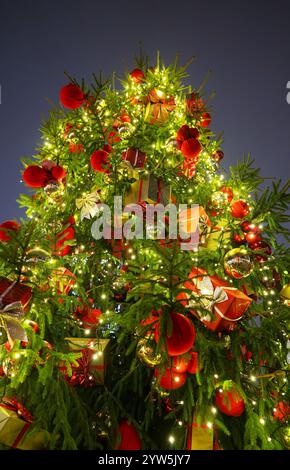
(11,316)
(88,205)
(161,106)
(127,165)
(13,405)
(211,297)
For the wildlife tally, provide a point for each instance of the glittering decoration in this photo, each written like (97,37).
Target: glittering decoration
(238,263)
(146,353)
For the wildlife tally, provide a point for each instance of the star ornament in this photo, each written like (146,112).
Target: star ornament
(88,205)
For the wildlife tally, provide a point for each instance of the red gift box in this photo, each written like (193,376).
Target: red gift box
(151,190)
(135,157)
(228,304)
(18,292)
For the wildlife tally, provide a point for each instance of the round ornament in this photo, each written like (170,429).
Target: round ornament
(285,294)
(240,209)
(169,379)
(230,402)
(146,354)
(238,263)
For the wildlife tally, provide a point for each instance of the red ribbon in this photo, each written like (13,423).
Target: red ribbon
(13,405)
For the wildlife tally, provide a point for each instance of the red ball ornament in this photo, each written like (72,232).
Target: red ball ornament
(252,237)
(205,120)
(230,402)
(238,239)
(185,132)
(62,237)
(262,246)
(228,192)
(99,161)
(35,177)
(137,75)
(218,156)
(193,363)
(129,438)
(182,336)
(248,226)
(6,228)
(240,209)
(179,364)
(170,380)
(191,148)
(58,173)
(71,96)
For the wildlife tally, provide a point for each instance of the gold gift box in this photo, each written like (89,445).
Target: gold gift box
(201,437)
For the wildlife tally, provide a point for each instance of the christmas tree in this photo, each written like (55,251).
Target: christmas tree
(117,332)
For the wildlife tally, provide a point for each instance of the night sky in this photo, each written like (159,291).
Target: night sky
(246,45)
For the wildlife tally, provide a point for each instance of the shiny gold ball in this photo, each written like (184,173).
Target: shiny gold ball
(146,354)
(285,294)
(238,263)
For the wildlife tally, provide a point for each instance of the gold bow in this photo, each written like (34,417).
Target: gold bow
(210,295)
(11,316)
(88,205)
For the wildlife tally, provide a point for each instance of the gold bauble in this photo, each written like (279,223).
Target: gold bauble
(146,354)
(238,263)
(285,294)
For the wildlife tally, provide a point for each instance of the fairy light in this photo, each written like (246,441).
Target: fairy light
(214,410)
(171,439)
(262,421)
(209,425)
(253,378)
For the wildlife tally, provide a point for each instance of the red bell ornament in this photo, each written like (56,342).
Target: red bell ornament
(229,402)
(240,209)
(181,337)
(170,380)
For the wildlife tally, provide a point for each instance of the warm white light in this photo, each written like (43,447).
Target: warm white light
(171,439)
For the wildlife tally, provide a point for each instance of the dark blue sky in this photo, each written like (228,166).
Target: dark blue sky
(245,43)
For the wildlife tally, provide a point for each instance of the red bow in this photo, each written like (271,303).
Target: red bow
(14,405)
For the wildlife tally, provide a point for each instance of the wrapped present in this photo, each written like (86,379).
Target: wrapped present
(15,422)
(14,300)
(195,218)
(92,364)
(125,168)
(200,437)
(135,157)
(218,236)
(151,189)
(226,304)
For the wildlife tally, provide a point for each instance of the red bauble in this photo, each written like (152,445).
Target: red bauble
(62,237)
(99,161)
(6,227)
(130,439)
(182,335)
(71,96)
(179,364)
(238,239)
(228,192)
(230,402)
(205,120)
(281,411)
(170,380)
(35,177)
(58,173)
(253,237)
(248,226)
(193,363)
(190,148)
(218,155)
(240,209)
(262,246)
(137,75)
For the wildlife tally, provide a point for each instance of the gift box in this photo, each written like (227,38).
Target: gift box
(226,304)
(151,189)
(16,426)
(218,236)
(200,437)
(92,364)
(193,219)
(135,157)
(14,300)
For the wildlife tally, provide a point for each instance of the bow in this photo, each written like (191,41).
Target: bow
(14,405)
(88,205)
(158,107)
(210,296)
(82,375)
(10,318)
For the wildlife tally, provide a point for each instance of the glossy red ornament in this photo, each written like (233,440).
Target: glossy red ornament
(129,438)
(61,238)
(218,155)
(179,364)
(193,363)
(185,132)
(230,402)
(71,96)
(228,191)
(281,411)
(205,120)
(35,177)
(182,335)
(170,380)
(262,246)
(137,75)
(240,209)
(248,226)
(191,148)
(99,161)
(253,237)
(238,239)
(58,173)
(6,229)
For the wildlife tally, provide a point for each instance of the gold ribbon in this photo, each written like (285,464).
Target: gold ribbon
(88,205)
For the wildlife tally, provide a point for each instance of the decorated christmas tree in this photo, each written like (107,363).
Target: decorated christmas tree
(144,300)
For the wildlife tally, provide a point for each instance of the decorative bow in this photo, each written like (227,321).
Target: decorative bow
(204,228)
(14,405)
(10,318)
(88,205)
(209,296)
(158,107)
(82,375)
